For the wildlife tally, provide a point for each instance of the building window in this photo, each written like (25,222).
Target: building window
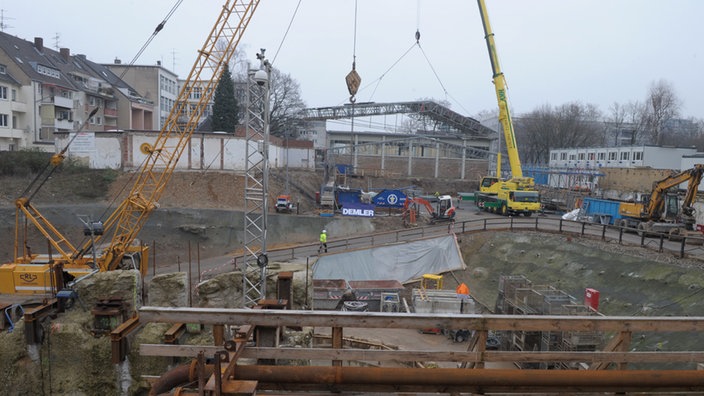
(625,155)
(581,156)
(601,156)
(63,115)
(612,156)
(14,95)
(553,156)
(3,69)
(48,71)
(637,156)
(591,156)
(3,92)
(3,120)
(563,156)
(573,157)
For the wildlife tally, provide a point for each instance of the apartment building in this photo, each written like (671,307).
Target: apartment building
(156,85)
(43,91)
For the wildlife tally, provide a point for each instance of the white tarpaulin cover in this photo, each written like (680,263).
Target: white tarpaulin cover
(402,262)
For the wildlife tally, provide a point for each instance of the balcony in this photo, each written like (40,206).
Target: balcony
(63,102)
(19,107)
(110,112)
(9,133)
(63,124)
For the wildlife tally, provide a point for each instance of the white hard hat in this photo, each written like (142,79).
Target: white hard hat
(324,232)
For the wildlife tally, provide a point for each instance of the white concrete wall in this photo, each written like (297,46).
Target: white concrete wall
(205,151)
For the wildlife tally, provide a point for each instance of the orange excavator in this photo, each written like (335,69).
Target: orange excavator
(444,210)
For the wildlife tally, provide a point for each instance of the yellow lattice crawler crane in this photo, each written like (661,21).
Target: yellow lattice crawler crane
(31,273)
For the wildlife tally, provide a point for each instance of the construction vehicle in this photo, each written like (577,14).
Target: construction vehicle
(42,273)
(284,204)
(444,210)
(661,211)
(517,194)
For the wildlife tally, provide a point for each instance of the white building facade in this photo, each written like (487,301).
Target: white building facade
(619,157)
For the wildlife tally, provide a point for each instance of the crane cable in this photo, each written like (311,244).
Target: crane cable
(158,29)
(295,12)
(447,94)
(417,36)
(278,49)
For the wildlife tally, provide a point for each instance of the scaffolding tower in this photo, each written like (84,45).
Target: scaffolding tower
(256,181)
(519,296)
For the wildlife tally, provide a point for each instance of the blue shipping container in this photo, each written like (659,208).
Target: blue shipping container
(602,211)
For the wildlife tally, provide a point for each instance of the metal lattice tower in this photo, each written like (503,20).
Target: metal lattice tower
(255,185)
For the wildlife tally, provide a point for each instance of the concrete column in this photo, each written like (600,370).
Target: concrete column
(437,158)
(383,153)
(410,158)
(464,158)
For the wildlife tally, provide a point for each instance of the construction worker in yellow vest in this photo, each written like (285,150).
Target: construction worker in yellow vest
(323,241)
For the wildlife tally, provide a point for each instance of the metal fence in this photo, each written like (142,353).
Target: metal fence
(683,247)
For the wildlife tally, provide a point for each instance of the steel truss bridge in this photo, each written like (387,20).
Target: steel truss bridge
(449,121)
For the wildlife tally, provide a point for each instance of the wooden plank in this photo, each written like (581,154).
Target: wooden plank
(343,319)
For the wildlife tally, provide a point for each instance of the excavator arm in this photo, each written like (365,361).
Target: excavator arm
(693,176)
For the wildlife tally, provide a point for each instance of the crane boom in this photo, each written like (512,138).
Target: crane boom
(28,272)
(501,96)
(515,195)
(163,156)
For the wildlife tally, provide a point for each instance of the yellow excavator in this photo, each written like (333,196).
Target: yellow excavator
(33,273)
(517,194)
(661,211)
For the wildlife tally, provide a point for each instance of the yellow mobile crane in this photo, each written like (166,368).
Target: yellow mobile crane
(516,195)
(32,273)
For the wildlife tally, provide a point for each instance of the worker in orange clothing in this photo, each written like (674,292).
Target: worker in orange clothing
(462,291)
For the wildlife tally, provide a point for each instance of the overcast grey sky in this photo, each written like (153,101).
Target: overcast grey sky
(551,51)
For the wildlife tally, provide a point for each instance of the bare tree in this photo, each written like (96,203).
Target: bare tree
(614,124)
(284,94)
(636,120)
(569,125)
(661,105)
(285,102)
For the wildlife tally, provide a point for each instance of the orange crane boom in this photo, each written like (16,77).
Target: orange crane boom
(31,273)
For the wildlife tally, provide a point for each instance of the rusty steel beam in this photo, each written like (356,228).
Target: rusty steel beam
(174,333)
(118,338)
(466,380)
(33,333)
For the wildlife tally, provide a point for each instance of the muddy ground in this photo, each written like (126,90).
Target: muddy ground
(73,361)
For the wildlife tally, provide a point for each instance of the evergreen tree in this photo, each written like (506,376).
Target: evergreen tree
(225,109)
